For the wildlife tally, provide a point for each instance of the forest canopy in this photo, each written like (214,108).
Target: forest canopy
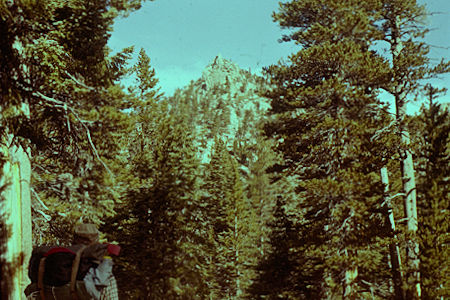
(297,184)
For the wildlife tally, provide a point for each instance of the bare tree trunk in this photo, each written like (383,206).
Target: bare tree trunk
(407,166)
(412,246)
(394,250)
(16,218)
(350,291)
(350,285)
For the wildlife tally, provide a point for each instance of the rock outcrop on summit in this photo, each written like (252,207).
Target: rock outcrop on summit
(225,103)
(221,71)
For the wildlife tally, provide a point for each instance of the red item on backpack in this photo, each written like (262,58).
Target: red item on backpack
(113,249)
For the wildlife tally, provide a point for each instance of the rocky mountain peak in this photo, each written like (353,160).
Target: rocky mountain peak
(219,71)
(225,103)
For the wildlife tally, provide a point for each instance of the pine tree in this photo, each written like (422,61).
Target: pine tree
(280,274)
(233,222)
(255,155)
(161,200)
(402,29)
(145,77)
(161,210)
(218,189)
(432,142)
(260,190)
(319,91)
(328,115)
(60,99)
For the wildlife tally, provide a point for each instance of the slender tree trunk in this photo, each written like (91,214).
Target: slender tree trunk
(412,246)
(394,250)
(407,168)
(350,291)
(350,285)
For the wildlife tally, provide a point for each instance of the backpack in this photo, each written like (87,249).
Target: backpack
(60,270)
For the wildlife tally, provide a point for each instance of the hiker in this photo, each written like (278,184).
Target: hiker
(100,281)
(82,271)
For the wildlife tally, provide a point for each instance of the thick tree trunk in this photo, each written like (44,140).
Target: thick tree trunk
(16,206)
(350,284)
(394,250)
(412,246)
(407,166)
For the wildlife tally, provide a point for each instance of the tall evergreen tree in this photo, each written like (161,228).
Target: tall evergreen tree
(282,275)
(326,97)
(218,197)
(432,140)
(160,200)
(161,209)
(402,29)
(234,225)
(328,115)
(145,77)
(259,189)
(61,100)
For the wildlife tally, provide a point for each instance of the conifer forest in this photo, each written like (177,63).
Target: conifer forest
(300,183)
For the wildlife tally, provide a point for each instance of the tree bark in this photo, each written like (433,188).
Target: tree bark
(394,251)
(407,168)
(350,284)
(16,204)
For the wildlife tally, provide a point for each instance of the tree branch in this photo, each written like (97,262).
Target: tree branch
(64,105)
(80,83)
(39,199)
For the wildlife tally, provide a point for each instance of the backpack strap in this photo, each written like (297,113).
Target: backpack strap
(41,277)
(73,277)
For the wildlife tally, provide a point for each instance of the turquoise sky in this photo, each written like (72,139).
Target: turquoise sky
(183,36)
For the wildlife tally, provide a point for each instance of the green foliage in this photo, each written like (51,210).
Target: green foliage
(329,121)
(234,225)
(145,77)
(160,209)
(216,256)
(334,135)
(198,198)
(220,188)
(282,275)
(59,98)
(102,153)
(433,142)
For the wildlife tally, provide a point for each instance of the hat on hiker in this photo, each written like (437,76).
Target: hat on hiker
(86,234)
